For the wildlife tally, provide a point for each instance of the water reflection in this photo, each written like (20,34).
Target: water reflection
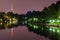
(33,24)
(45,23)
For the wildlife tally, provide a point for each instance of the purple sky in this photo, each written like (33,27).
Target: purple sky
(22,6)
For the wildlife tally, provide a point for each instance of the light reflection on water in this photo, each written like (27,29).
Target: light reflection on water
(20,33)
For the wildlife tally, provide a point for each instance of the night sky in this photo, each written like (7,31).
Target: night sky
(21,7)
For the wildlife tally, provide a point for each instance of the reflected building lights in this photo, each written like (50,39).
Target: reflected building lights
(39,22)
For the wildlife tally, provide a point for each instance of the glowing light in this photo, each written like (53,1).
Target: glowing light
(10,22)
(58,30)
(59,17)
(0,19)
(53,20)
(35,27)
(25,21)
(50,20)
(14,21)
(58,20)
(1,23)
(53,30)
(10,19)
(35,19)
(50,29)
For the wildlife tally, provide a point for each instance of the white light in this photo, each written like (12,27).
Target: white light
(50,29)
(57,20)
(50,20)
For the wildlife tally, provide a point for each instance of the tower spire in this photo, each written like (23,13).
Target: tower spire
(12,30)
(12,10)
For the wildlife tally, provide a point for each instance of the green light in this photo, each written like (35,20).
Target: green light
(58,20)
(59,17)
(30,24)
(53,20)
(35,27)
(50,20)
(58,30)
(30,19)
(35,19)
